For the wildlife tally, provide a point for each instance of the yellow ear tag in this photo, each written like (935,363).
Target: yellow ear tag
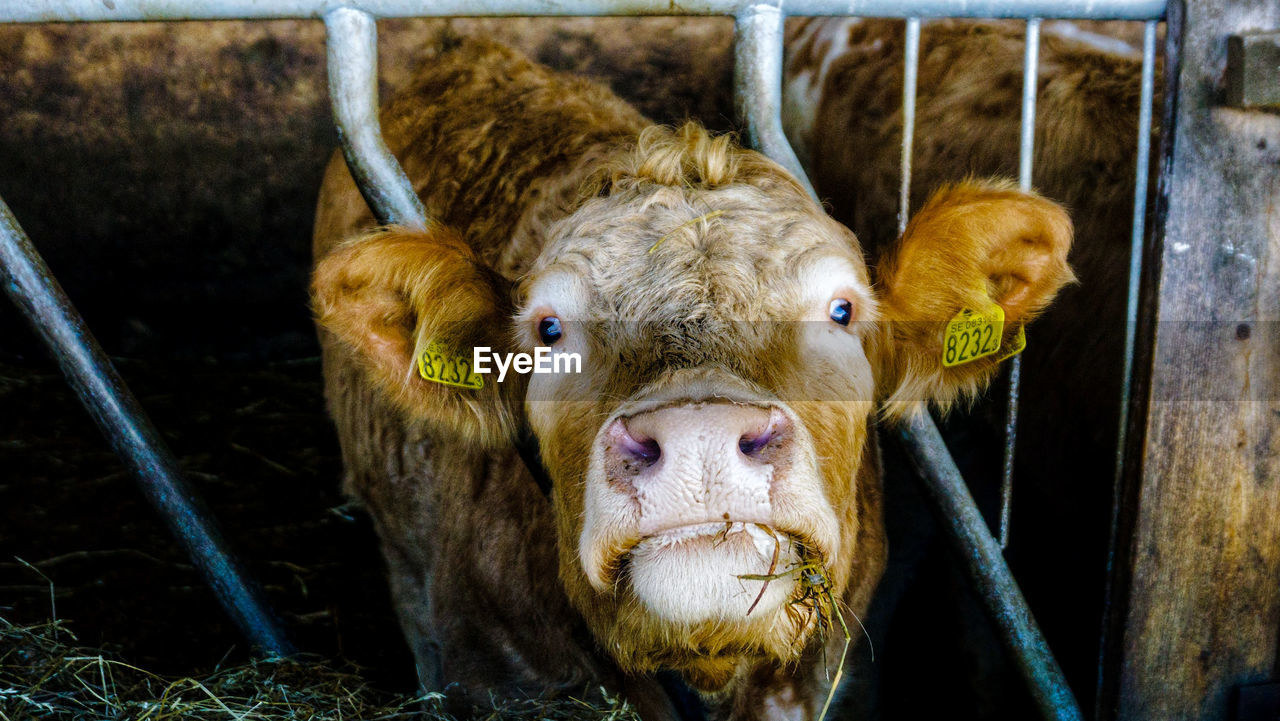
(972,334)
(1019,344)
(438,363)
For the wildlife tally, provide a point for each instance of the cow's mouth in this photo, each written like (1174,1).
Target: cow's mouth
(762,534)
(714,572)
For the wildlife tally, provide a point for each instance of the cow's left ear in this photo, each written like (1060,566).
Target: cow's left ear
(412,305)
(973,247)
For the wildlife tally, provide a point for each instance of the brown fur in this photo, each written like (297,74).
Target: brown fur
(687,247)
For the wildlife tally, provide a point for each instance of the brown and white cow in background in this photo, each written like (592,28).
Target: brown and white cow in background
(843,99)
(734,347)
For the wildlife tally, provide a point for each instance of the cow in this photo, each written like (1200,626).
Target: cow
(842,110)
(713,495)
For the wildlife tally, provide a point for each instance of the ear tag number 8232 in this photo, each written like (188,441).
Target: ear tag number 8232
(439,364)
(972,334)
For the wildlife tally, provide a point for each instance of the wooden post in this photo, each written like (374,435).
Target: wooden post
(1196,612)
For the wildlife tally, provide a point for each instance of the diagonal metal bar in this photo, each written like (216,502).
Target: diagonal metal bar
(352,55)
(963,522)
(757,86)
(33,289)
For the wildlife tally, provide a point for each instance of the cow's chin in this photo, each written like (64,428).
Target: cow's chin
(694,575)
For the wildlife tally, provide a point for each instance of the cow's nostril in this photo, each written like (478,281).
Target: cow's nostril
(639,446)
(647,451)
(751,443)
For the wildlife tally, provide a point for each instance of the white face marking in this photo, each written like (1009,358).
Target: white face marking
(839,348)
(832,276)
(782,705)
(562,295)
(799,113)
(1105,43)
(692,575)
(704,515)
(558,290)
(802,88)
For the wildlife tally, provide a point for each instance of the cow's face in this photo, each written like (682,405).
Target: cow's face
(720,416)
(733,348)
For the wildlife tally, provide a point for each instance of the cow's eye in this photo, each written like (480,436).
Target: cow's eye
(549,330)
(841,311)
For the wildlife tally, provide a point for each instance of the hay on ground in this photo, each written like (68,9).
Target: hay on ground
(44,673)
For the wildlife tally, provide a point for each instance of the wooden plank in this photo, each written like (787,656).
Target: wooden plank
(1203,608)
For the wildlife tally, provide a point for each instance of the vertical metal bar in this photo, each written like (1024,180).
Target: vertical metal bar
(352,51)
(33,289)
(991,577)
(352,56)
(1030,71)
(757,84)
(1137,240)
(1139,231)
(910,72)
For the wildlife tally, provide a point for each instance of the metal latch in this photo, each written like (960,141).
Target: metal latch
(1253,70)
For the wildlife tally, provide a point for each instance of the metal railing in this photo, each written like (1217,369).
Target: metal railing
(352,66)
(34,290)
(39,11)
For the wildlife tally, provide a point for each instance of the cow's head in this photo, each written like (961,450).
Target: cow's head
(735,347)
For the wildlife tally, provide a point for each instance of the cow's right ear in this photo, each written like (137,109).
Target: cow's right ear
(977,249)
(412,305)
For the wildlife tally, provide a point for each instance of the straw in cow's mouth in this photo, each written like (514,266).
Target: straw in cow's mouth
(773,566)
(815,591)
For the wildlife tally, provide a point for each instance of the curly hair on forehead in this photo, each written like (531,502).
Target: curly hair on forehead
(686,157)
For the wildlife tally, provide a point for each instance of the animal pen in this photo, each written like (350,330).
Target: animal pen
(1195,499)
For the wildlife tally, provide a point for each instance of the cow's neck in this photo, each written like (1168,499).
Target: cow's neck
(526,444)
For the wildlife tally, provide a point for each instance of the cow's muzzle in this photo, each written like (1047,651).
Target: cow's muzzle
(686,499)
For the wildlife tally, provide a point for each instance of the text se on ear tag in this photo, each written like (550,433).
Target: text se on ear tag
(438,363)
(972,334)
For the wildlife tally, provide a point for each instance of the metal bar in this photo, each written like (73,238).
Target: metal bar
(959,515)
(33,289)
(352,51)
(1010,441)
(37,11)
(757,84)
(351,40)
(1030,72)
(1138,235)
(1112,619)
(910,73)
